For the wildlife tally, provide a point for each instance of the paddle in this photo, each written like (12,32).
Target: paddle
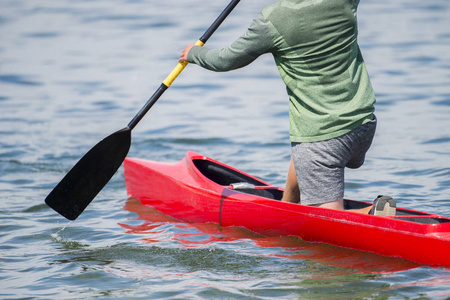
(93,171)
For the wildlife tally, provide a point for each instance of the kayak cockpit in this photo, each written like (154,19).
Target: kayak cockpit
(239,181)
(224,175)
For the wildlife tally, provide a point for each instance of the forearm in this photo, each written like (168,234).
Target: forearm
(219,60)
(243,51)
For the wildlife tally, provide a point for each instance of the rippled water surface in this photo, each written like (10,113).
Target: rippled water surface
(72,72)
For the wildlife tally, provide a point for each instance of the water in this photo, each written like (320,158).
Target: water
(72,72)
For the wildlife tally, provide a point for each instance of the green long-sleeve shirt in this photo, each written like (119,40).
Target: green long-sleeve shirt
(314,43)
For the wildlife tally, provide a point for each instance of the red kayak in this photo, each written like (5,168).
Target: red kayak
(198,189)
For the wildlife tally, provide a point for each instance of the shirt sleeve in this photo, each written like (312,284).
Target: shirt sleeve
(254,42)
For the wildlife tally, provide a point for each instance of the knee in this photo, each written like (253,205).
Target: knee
(355,164)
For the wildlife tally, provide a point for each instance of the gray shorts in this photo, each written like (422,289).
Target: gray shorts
(320,165)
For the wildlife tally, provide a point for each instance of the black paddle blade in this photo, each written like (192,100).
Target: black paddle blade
(87,178)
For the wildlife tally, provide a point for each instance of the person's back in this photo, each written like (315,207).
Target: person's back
(316,51)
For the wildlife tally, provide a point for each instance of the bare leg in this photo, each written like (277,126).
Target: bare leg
(364,210)
(339,205)
(291,192)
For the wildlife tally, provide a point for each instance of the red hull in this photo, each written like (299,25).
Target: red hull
(197,190)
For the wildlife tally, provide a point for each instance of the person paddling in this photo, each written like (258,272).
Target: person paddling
(331,99)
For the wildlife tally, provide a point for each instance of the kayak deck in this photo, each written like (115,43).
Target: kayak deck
(199,189)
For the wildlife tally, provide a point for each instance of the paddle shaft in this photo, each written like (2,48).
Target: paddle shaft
(180,67)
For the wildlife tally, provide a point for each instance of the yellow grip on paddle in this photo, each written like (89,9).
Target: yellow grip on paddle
(180,67)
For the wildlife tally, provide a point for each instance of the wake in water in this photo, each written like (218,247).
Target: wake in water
(67,243)
(56,236)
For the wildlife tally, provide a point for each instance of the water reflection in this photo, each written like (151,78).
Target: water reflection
(159,229)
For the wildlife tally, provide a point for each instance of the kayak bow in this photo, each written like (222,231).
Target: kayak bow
(198,189)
